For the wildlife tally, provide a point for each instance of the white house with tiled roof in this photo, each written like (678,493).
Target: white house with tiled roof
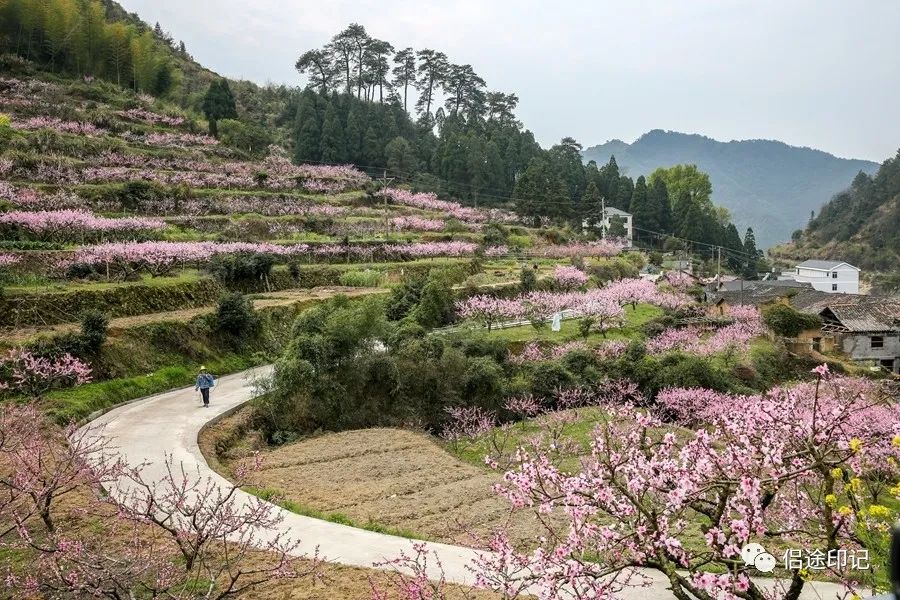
(831,276)
(609,213)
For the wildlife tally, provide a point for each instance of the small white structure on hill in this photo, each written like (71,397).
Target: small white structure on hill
(829,276)
(608,215)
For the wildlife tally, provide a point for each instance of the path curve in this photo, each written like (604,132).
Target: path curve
(147,430)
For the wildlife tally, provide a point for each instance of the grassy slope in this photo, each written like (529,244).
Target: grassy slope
(634,318)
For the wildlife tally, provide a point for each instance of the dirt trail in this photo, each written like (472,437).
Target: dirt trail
(264,300)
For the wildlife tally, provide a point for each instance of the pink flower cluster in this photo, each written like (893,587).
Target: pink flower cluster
(416,224)
(679,279)
(611,349)
(146,116)
(693,406)
(604,304)
(158,258)
(688,339)
(568,277)
(58,125)
(273,173)
(771,467)
(428,249)
(25,373)
(747,324)
(176,140)
(29,199)
(7,260)
(69,224)
(604,248)
(532,352)
(496,251)
(455,210)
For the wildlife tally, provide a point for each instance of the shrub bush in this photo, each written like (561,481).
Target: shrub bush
(367,278)
(436,302)
(788,322)
(235,316)
(494,235)
(549,376)
(241,270)
(527,279)
(94,326)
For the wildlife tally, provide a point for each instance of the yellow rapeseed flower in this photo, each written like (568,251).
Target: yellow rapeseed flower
(855,445)
(837,473)
(880,512)
(830,499)
(845,510)
(896,441)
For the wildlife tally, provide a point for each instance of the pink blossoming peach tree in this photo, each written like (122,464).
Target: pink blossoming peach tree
(785,468)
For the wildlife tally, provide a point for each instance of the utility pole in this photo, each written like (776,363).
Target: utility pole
(603,217)
(719,269)
(384,184)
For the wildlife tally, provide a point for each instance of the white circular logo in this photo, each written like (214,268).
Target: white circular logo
(756,556)
(764,563)
(750,551)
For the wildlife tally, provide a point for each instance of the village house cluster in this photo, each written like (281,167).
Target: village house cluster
(866,328)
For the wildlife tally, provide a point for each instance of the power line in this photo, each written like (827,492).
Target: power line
(409,178)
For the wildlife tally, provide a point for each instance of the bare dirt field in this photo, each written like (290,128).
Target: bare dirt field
(396,478)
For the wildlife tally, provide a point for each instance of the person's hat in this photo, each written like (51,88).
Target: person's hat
(202,368)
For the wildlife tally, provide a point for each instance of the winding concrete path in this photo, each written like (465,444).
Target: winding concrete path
(149,429)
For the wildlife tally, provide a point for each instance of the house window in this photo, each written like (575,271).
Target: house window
(834,275)
(798,271)
(833,287)
(887,364)
(877,342)
(817,344)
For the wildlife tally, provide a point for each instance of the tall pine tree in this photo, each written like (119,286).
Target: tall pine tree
(218,104)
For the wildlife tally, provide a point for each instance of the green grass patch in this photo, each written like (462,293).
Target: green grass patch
(366,278)
(77,403)
(634,319)
(40,285)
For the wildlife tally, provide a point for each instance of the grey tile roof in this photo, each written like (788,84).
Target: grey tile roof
(615,211)
(737,284)
(873,316)
(823,264)
(813,301)
(754,292)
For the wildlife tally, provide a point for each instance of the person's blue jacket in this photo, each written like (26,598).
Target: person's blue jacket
(205,381)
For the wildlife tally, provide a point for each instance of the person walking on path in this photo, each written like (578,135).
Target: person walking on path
(205,381)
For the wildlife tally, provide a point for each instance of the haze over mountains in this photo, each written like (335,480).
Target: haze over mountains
(766,184)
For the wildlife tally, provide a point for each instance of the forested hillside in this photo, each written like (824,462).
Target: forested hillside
(412,115)
(764,183)
(860,224)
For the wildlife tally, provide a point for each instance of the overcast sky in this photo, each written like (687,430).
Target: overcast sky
(818,73)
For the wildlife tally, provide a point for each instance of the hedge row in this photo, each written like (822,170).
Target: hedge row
(50,308)
(129,299)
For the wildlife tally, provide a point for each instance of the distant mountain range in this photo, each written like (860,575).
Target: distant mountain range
(766,184)
(860,225)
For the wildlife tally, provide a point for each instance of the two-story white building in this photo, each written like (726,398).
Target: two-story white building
(828,276)
(607,217)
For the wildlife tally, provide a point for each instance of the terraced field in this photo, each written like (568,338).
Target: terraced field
(398,478)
